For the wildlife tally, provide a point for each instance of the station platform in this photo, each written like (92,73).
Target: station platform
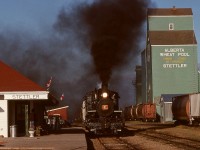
(66,138)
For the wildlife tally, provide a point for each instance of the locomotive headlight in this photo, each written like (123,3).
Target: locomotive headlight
(105,95)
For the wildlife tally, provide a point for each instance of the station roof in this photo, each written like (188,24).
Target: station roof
(169,11)
(185,37)
(11,80)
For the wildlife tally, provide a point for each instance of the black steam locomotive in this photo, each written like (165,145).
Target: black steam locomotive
(101,113)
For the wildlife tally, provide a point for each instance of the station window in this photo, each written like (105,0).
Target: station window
(171,26)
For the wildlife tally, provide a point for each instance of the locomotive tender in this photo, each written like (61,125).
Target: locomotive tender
(101,113)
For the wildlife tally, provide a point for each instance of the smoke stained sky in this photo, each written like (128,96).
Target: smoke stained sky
(35,41)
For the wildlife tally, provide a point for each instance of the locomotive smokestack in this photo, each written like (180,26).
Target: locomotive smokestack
(104,85)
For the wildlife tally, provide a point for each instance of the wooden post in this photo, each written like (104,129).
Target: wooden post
(26,120)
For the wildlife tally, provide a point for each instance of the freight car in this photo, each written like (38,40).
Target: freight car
(144,112)
(186,109)
(101,113)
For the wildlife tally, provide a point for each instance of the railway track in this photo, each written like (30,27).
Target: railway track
(108,143)
(146,136)
(177,141)
(113,143)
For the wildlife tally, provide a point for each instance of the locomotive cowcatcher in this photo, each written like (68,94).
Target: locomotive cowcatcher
(101,113)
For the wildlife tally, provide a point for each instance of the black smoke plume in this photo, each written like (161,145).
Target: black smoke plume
(111,29)
(115,27)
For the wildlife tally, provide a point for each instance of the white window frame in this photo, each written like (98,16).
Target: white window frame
(171,26)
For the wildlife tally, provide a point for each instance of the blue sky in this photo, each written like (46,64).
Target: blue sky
(34,16)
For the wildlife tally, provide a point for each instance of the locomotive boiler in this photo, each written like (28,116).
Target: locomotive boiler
(101,113)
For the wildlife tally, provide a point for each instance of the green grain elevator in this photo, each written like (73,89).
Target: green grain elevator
(169,62)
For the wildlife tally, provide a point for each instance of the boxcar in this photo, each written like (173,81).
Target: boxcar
(146,112)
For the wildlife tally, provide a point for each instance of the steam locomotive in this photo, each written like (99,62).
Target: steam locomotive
(101,113)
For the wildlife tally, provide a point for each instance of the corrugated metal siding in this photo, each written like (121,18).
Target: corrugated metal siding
(199,80)
(174,79)
(162,23)
(166,112)
(195,105)
(149,86)
(144,96)
(4,118)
